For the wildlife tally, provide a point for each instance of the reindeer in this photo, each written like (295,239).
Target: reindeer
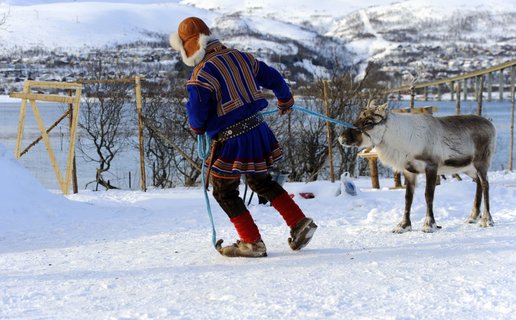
(421,143)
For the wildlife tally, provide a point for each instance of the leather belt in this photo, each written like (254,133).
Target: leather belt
(240,127)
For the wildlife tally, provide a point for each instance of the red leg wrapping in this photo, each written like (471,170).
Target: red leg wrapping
(288,209)
(246,228)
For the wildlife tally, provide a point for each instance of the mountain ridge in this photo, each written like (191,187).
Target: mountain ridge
(408,39)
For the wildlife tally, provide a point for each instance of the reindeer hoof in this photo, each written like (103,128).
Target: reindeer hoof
(472,220)
(430,228)
(485,223)
(402,228)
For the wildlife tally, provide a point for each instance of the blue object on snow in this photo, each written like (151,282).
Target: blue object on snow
(350,188)
(348,185)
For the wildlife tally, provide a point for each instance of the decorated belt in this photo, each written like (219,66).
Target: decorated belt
(240,127)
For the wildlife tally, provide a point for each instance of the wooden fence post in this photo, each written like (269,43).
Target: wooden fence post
(373,166)
(480,88)
(21,122)
(75,187)
(465,90)
(138,91)
(500,89)
(457,102)
(73,137)
(489,87)
(328,126)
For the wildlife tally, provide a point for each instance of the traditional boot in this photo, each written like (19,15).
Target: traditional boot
(242,249)
(301,228)
(250,243)
(301,233)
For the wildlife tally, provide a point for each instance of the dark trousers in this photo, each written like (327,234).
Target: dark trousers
(226,192)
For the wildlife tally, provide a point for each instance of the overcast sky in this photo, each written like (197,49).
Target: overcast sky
(32,2)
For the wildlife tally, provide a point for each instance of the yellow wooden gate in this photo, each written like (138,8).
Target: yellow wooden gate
(73,100)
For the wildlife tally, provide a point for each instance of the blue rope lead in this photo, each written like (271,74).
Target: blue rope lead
(203,149)
(322,116)
(266,113)
(316,114)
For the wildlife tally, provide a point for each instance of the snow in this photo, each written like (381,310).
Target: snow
(6,99)
(263,45)
(374,48)
(75,24)
(136,255)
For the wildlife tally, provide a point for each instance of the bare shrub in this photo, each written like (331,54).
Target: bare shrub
(170,144)
(105,123)
(304,138)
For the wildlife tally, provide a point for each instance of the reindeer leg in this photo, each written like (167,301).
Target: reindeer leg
(475,211)
(487,220)
(431,179)
(405,224)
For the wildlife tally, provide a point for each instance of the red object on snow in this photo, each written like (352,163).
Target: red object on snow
(307,195)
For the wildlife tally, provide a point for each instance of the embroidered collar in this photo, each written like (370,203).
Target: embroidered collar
(214,46)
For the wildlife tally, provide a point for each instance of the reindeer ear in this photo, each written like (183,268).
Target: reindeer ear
(381,109)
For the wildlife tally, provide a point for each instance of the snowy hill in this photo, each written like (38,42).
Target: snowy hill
(436,33)
(134,255)
(99,23)
(78,24)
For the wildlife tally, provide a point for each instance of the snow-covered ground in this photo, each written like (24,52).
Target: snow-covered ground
(135,255)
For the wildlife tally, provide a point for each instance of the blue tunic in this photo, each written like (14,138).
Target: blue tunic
(225,88)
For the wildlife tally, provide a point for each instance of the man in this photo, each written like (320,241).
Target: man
(225,101)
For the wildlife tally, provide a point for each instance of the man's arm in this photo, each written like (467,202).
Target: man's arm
(197,106)
(269,78)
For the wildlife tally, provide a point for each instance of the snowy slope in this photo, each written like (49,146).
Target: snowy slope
(433,24)
(77,23)
(21,194)
(134,255)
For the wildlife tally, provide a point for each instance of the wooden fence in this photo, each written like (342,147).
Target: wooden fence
(73,102)
(483,81)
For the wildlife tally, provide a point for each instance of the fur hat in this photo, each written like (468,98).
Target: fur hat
(191,40)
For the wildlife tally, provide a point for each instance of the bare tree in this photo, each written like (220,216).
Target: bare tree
(158,154)
(171,146)
(104,121)
(304,137)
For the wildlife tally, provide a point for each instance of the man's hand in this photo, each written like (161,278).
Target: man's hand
(285,111)
(285,106)
(198,131)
